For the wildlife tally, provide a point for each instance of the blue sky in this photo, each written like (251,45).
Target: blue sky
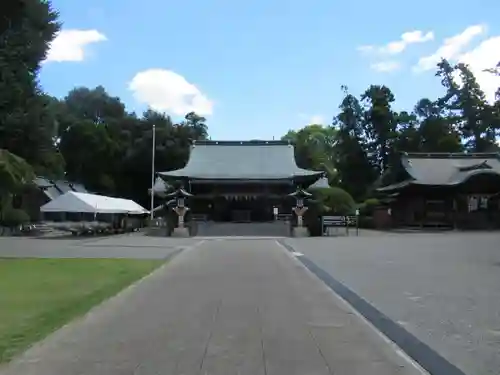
(258,68)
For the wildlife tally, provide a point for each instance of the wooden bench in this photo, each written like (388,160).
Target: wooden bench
(339,222)
(328,222)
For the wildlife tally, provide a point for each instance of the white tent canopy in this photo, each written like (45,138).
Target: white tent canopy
(92,203)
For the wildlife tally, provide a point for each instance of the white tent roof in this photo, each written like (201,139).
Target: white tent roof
(92,203)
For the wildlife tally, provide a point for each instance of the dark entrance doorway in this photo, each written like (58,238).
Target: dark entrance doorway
(243,209)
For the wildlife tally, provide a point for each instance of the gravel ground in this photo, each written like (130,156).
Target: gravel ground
(442,287)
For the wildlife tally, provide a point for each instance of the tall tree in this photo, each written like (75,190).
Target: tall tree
(380,123)
(436,132)
(26,123)
(408,137)
(314,147)
(354,168)
(95,105)
(92,127)
(196,125)
(496,105)
(467,106)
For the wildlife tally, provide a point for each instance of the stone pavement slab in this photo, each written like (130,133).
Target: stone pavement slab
(223,307)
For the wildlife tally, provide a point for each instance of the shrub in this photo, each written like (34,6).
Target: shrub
(336,199)
(368,206)
(361,207)
(366,222)
(13,217)
(312,218)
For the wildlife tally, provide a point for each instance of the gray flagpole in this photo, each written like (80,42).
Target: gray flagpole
(153,172)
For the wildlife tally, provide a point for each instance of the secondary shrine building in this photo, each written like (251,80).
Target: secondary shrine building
(456,190)
(241,180)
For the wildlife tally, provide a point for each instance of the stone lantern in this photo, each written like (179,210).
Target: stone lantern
(300,209)
(179,199)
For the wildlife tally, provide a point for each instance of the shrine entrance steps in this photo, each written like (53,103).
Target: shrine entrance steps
(269,229)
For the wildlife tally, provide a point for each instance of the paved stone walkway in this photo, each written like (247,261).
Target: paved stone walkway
(223,307)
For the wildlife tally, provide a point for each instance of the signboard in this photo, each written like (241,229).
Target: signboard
(275,211)
(357,212)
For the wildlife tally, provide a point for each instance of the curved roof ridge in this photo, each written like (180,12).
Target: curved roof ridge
(256,142)
(452,155)
(241,160)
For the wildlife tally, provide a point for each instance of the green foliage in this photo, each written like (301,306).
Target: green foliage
(26,121)
(367,207)
(337,200)
(314,148)
(14,172)
(366,222)
(13,217)
(477,121)
(355,168)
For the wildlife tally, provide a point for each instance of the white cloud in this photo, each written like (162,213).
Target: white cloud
(398,46)
(410,37)
(485,56)
(385,66)
(167,91)
(70,45)
(451,48)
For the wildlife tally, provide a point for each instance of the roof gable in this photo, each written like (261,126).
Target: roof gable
(448,168)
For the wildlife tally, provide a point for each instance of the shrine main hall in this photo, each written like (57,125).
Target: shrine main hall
(241,180)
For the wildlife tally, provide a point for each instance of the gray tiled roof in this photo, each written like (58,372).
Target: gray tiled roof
(53,189)
(63,186)
(52,192)
(445,169)
(322,183)
(48,187)
(42,182)
(246,160)
(79,188)
(449,169)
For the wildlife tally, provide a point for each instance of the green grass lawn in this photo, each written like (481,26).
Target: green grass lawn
(39,295)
